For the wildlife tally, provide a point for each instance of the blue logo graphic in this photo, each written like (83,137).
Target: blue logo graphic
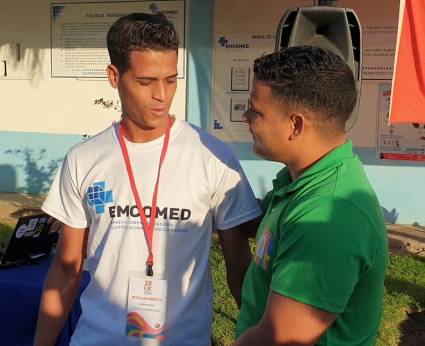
(154,8)
(217,125)
(98,197)
(223,41)
(56,11)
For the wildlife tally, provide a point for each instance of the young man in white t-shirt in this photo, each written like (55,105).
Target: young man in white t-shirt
(187,180)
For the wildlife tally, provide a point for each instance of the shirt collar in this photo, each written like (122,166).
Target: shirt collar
(283,182)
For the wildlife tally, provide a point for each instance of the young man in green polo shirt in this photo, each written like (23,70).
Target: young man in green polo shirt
(317,276)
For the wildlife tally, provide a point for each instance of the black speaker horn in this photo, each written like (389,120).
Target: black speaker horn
(334,28)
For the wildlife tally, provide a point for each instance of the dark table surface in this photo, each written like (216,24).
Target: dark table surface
(20,291)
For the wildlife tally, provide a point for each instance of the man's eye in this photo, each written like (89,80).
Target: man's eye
(171,80)
(144,82)
(254,113)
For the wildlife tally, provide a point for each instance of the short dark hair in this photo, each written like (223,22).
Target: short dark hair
(311,78)
(139,31)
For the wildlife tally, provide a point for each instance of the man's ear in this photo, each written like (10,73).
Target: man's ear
(113,75)
(297,121)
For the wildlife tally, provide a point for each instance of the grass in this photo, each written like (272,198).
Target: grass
(403,318)
(5,231)
(225,309)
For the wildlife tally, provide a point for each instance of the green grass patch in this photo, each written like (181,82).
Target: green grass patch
(404,302)
(403,318)
(225,309)
(5,232)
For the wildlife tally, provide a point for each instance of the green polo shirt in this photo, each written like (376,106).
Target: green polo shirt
(322,242)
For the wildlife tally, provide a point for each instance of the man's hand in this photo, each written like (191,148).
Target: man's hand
(287,322)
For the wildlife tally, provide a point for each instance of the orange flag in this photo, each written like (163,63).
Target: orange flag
(408,90)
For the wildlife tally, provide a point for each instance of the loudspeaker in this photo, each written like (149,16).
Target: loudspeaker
(334,28)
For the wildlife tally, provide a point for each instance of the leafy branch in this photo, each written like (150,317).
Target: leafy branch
(108,104)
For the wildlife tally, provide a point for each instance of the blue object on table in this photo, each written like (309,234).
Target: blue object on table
(20,291)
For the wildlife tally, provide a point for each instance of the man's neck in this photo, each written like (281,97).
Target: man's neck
(313,153)
(139,134)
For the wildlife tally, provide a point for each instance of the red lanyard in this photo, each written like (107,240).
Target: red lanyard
(147,228)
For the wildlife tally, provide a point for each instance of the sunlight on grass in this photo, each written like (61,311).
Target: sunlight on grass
(5,232)
(225,309)
(404,293)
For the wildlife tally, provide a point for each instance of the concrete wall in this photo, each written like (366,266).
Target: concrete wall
(42,116)
(34,101)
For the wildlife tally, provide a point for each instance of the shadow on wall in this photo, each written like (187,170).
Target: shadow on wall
(39,172)
(390,216)
(22,63)
(7,178)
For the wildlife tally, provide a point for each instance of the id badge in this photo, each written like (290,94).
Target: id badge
(147,297)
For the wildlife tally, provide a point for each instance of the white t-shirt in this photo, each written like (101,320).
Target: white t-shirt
(202,186)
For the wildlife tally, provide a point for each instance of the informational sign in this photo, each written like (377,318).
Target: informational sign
(79,34)
(398,141)
(242,33)
(379,35)
(244,30)
(234,56)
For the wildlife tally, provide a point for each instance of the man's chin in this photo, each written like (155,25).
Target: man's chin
(257,151)
(151,121)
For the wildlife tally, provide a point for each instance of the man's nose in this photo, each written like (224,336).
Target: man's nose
(158,91)
(246,116)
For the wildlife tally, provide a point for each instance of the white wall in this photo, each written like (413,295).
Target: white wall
(33,101)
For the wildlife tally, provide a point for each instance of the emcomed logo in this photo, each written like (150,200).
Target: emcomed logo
(224,42)
(97,196)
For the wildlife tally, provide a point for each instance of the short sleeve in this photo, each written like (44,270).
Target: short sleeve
(322,253)
(64,200)
(233,202)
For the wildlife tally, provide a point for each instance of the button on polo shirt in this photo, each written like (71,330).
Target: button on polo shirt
(322,242)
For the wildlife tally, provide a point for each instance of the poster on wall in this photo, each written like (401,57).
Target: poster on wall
(238,25)
(79,34)
(233,61)
(241,35)
(398,141)
(379,35)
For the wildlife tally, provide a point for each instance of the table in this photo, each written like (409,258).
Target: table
(20,291)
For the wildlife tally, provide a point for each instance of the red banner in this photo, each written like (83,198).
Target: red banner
(408,92)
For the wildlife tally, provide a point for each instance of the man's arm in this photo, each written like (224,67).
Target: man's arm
(287,322)
(237,255)
(61,285)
